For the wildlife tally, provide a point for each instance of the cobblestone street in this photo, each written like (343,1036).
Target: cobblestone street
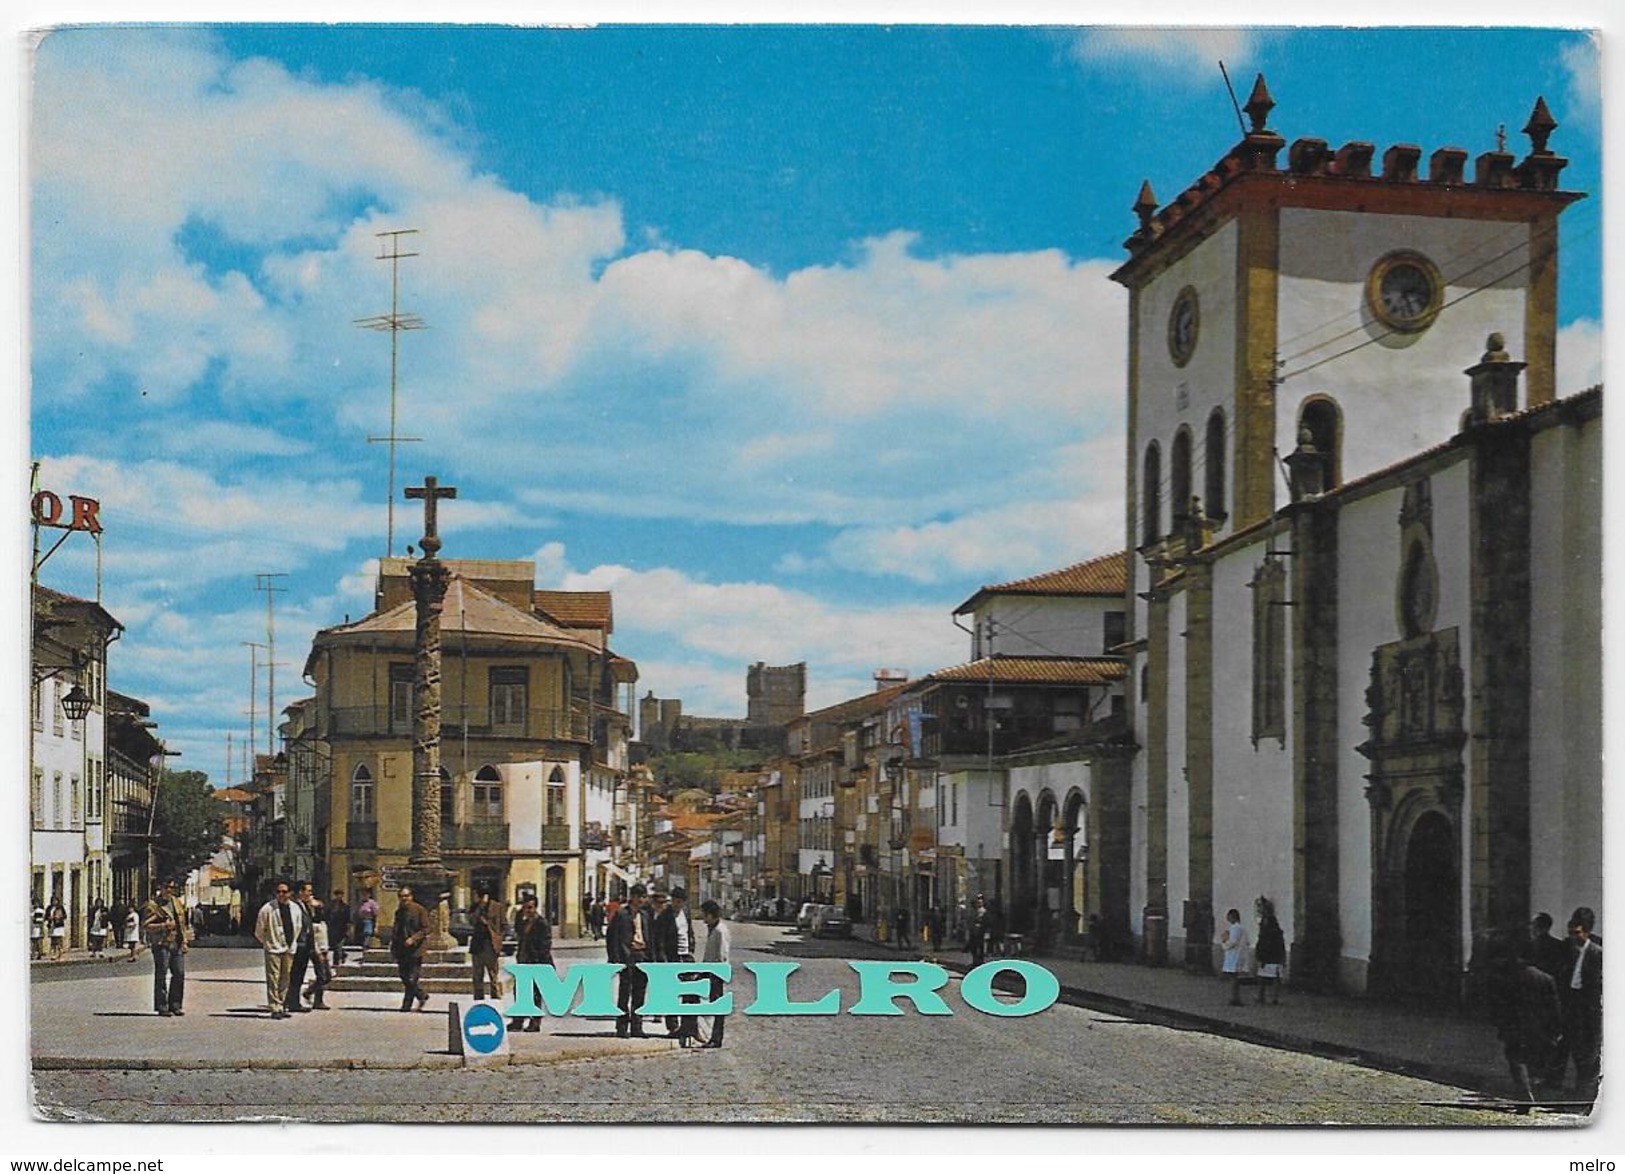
(1065,1065)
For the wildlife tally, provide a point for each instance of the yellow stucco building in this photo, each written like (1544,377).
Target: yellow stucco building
(529,692)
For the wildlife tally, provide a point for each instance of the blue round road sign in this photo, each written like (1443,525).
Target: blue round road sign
(483,1028)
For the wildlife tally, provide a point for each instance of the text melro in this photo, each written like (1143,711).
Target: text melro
(682,988)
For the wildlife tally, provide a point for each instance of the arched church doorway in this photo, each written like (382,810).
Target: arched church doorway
(1431,920)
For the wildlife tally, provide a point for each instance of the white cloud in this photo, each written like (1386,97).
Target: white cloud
(1180,55)
(700,629)
(1583,61)
(1579,356)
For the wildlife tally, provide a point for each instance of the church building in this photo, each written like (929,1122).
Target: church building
(1363,601)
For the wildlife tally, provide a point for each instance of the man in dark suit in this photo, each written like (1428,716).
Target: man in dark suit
(630,943)
(674,942)
(306,896)
(1580,989)
(406,943)
(1544,951)
(535,945)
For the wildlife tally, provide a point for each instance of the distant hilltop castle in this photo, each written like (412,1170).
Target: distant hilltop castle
(775,696)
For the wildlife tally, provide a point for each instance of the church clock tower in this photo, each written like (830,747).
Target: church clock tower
(1335,295)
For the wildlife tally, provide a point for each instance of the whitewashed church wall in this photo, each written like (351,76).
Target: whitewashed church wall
(1252,785)
(1565,752)
(1179,863)
(1405,393)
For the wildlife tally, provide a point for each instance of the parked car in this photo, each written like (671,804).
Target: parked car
(804,919)
(831,921)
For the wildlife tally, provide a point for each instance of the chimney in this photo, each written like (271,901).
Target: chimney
(1494,383)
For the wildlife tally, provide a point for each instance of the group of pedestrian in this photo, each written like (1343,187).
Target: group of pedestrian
(48,929)
(659,928)
(296,932)
(1545,999)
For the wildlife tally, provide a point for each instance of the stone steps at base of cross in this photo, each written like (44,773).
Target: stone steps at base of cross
(384,957)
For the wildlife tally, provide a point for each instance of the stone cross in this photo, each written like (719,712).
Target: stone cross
(430,492)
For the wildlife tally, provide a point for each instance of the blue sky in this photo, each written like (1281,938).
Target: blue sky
(791,337)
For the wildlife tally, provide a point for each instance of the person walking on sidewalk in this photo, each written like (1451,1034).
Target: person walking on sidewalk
(718,943)
(99,927)
(1271,953)
(304,896)
(167,934)
(366,915)
(36,929)
(406,944)
(1580,990)
(535,947)
(900,923)
(318,957)
(1234,940)
(56,918)
(485,943)
(977,930)
(277,931)
(132,931)
(338,926)
(629,942)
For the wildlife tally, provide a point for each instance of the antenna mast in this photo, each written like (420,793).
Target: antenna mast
(389,249)
(1241,122)
(266,582)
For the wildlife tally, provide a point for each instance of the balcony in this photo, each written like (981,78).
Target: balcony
(556,837)
(486,836)
(458,721)
(361,835)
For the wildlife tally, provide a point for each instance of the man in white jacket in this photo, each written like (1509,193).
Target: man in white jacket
(278,928)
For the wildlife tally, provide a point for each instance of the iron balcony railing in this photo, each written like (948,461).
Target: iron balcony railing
(458,721)
(475,837)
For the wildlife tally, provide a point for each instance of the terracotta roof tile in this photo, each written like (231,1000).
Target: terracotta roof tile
(472,610)
(1037,670)
(577,609)
(1106,575)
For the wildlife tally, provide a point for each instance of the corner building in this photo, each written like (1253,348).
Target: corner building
(530,735)
(1364,597)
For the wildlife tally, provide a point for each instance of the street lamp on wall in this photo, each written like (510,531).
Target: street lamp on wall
(77,704)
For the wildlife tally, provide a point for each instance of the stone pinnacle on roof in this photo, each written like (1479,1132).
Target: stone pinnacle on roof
(1540,126)
(1259,105)
(1145,204)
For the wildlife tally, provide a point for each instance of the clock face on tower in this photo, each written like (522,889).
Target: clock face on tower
(1183,324)
(1405,291)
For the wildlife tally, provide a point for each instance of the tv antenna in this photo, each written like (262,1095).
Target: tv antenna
(389,249)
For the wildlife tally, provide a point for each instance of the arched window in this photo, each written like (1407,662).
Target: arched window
(363,802)
(1179,479)
(1324,423)
(1151,496)
(448,798)
(557,811)
(1213,487)
(488,795)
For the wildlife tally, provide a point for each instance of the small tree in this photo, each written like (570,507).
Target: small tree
(187,824)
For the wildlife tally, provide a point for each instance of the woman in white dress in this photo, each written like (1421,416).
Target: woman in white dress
(1234,941)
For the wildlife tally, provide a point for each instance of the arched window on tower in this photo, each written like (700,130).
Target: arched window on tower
(1324,422)
(487,795)
(1151,496)
(1213,462)
(363,798)
(557,808)
(1179,480)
